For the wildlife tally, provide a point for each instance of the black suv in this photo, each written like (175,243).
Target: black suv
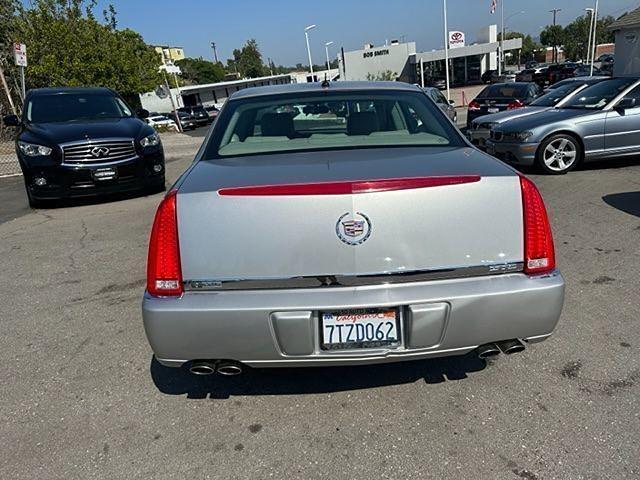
(77,142)
(198,113)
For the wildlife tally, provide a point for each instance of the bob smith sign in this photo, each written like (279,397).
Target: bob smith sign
(456,39)
(376,53)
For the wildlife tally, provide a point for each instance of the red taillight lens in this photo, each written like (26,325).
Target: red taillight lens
(473,105)
(539,254)
(515,104)
(164,274)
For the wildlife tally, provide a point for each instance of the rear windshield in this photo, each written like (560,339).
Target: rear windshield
(324,121)
(504,91)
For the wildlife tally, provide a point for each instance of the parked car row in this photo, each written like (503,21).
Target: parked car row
(580,119)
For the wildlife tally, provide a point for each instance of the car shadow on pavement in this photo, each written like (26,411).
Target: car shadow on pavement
(288,381)
(628,202)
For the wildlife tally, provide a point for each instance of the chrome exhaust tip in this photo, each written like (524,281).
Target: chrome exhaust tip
(511,346)
(229,369)
(488,350)
(202,368)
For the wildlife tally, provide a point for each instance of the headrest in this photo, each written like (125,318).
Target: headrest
(362,123)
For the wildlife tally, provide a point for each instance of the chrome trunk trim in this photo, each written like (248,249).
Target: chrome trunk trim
(335,281)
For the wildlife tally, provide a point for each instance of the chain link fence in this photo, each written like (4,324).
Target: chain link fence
(9,165)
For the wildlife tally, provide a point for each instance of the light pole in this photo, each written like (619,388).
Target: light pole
(446,48)
(215,52)
(555,47)
(595,31)
(326,49)
(504,30)
(306,35)
(590,10)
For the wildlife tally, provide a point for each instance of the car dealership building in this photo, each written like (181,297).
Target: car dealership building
(401,61)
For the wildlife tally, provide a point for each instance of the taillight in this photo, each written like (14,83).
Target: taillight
(164,274)
(539,254)
(473,105)
(515,104)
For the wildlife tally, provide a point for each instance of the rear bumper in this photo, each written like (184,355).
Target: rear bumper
(515,153)
(271,328)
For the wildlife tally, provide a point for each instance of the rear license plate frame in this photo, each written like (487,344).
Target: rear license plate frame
(493,110)
(360,345)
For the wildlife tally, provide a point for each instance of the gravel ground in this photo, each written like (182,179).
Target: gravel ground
(82,398)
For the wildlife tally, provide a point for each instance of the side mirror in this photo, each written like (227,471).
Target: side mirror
(452,102)
(142,113)
(625,103)
(11,121)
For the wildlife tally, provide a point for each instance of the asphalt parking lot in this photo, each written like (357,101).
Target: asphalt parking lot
(82,397)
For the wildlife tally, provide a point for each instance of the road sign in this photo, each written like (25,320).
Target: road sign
(20,54)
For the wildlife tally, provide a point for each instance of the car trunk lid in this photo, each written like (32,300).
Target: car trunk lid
(308,214)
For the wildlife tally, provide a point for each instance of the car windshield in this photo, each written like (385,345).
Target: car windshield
(324,121)
(74,107)
(504,91)
(597,96)
(552,97)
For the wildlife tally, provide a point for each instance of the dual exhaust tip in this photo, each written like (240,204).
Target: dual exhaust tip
(506,346)
(227,368)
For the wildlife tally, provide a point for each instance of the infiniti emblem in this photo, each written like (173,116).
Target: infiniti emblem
(100,152)
(353,229)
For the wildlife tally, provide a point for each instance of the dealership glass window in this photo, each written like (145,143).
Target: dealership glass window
(335,121)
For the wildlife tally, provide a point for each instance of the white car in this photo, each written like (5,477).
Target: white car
(161,121)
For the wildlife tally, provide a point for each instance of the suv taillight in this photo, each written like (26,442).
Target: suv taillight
(164,273)
(539,254)
(473,105)
(515,104)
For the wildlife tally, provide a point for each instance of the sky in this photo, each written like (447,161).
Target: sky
(278,25)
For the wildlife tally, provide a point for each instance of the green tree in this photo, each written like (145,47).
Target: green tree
(552,36)
(198,71)
(529,45)
(576,36)
(247,61)
(387,75)
(68,46)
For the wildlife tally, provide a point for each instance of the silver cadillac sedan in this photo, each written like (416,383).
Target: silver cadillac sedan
(345,224)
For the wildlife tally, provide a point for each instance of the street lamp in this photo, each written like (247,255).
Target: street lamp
(504,31)
(326,49)
(306,35)
(590,11)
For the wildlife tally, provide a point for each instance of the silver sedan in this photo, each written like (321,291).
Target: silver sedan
(345,224)
(600,122)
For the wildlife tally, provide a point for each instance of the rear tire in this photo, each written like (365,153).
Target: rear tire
(559,154)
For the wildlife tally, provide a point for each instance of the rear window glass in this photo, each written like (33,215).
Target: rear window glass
(552,97)
(322,121)
(504,91)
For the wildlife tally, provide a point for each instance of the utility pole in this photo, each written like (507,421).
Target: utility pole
(555,47)
(215,53)
(590,11)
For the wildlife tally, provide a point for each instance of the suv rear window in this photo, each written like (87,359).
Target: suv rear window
(322,121)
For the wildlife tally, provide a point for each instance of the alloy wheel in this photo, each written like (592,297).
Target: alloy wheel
(560,154)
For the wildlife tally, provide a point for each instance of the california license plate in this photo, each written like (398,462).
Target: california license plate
(364,328)
(493,110)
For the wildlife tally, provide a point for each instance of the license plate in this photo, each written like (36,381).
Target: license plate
(364,328)
(101,174)
(493,110)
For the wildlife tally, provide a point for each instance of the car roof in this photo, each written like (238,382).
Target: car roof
(70,90)
(341,86)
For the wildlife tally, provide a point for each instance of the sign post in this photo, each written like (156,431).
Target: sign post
(20,57)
